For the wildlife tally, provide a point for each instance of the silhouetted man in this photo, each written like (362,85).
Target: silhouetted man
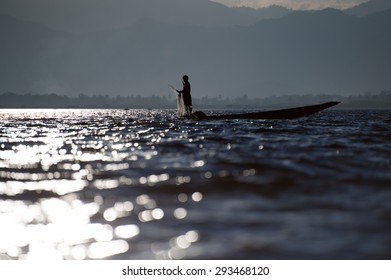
(186,95)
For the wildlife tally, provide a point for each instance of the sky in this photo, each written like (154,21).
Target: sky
(294,4)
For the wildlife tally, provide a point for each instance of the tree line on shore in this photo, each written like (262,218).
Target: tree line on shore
(381,100)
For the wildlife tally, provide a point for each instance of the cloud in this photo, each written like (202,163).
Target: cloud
(294,4)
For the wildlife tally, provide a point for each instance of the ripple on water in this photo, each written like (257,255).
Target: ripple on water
(142,184)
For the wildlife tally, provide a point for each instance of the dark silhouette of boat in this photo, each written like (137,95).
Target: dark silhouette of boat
(290,113)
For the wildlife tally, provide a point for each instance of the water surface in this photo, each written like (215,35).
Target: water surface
(143,184)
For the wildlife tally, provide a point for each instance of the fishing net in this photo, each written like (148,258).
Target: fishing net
(180,104)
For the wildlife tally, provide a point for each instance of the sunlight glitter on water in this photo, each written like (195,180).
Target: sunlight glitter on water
(142,184)
(60,229)
(41,152)
(60,187)
(71,153)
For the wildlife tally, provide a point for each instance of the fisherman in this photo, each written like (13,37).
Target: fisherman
(186,95)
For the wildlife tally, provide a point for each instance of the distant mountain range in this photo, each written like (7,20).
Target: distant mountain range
(308,52)
(96,15)
(368,8)
(76,16)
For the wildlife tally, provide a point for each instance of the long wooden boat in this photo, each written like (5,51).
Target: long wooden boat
(290,113)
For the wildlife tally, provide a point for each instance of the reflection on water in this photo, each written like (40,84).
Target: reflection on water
(57,168)
(141,184)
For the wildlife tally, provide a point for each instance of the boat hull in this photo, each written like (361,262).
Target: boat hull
(291,113)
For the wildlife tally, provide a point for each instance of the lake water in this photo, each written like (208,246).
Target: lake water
(143,184)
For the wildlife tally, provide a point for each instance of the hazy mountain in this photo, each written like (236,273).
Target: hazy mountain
(24,48)
(271,12)
(95,15)
(302,53)
(325,51)
(370,7)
